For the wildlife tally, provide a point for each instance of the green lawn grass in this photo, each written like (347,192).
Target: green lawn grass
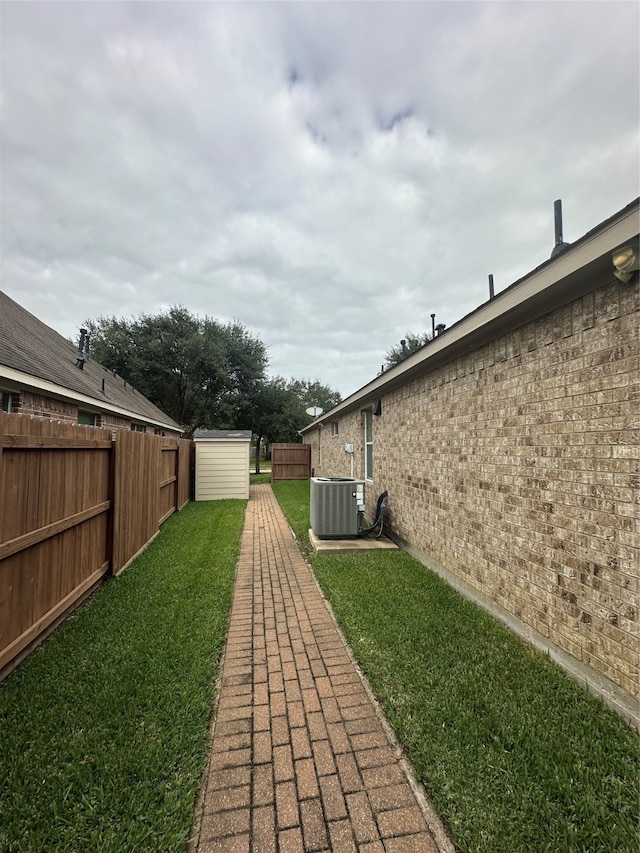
(515,755)
(293,497)
(103,729)
(262,477)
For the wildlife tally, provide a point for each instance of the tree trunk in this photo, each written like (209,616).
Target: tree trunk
(258,440)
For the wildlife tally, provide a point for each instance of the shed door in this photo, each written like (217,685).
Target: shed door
(222,470)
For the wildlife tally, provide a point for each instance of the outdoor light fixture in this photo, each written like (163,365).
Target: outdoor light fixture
(625,261)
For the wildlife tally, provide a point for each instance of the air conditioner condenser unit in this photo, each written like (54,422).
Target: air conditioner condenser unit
(335,506)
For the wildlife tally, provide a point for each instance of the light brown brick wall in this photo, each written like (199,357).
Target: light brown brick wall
(515,468)
(333,461)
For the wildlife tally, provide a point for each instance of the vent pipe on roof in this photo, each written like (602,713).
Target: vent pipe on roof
(560,245)
(491,291)
(405,351)
(83,349)
(433,326)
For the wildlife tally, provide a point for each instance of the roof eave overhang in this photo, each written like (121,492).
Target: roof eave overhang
(66,395)
(223,438)
(581,268)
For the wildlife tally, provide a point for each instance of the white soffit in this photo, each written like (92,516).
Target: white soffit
(60,393)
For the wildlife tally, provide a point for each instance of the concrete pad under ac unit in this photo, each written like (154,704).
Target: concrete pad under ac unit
(344,546)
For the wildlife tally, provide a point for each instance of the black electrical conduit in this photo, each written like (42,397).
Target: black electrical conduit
(379,520)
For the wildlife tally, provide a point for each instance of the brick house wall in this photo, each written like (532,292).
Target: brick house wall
(27,402)
(110,420)
(40,406)
(514,469)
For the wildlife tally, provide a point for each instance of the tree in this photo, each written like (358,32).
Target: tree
(412,342)
(278,409)
(271,415)
(206,374)
(312,393)
(198,371)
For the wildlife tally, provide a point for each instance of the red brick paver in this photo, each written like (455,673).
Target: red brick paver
(300,760)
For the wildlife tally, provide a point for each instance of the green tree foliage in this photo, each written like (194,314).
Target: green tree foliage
(198,371)
(278,408)
(206,374)
(413,342)
(272,414)
(312,393)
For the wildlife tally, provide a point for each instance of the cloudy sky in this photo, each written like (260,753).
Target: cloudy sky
(329,174)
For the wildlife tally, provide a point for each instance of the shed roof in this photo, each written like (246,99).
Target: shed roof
(236,434)
(35,355)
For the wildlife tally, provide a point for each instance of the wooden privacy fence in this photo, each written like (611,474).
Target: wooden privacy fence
(75,504)
(290,462)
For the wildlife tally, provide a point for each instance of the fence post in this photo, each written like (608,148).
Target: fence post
(111,527)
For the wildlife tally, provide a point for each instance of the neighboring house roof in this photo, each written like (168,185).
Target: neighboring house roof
(581,267)
(34,355)
(238,434)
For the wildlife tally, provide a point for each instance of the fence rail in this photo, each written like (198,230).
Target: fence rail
(290,462)
(76,503)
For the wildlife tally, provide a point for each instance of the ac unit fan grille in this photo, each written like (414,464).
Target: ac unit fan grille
(335,506)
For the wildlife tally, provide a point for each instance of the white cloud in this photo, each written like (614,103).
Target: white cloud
(328,174)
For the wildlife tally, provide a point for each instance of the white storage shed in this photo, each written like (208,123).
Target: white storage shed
(222,464)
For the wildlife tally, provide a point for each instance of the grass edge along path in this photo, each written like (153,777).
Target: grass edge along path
(104,728)
(513,753)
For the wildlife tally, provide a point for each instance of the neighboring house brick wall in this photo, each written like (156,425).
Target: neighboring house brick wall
(515,468)
(110,420)
(38,405)
(46,407)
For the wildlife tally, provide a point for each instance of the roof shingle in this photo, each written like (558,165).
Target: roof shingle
(30,346)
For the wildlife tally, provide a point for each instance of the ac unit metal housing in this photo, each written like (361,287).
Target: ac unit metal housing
(335,506)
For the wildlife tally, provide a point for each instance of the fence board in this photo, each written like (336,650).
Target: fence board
(290,462)
(186,471)
(54,505)
(34,630)
(75,503)
(49,530)
(169,460)
(136,498)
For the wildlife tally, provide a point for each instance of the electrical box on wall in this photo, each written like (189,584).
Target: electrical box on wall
(348,448)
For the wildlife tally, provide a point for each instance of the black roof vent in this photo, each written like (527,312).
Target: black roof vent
(560,246)
(83,349)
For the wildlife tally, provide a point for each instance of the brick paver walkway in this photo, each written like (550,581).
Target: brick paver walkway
(299,757)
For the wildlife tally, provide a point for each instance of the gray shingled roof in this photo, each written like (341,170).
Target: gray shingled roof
(223,433)
(33,348)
